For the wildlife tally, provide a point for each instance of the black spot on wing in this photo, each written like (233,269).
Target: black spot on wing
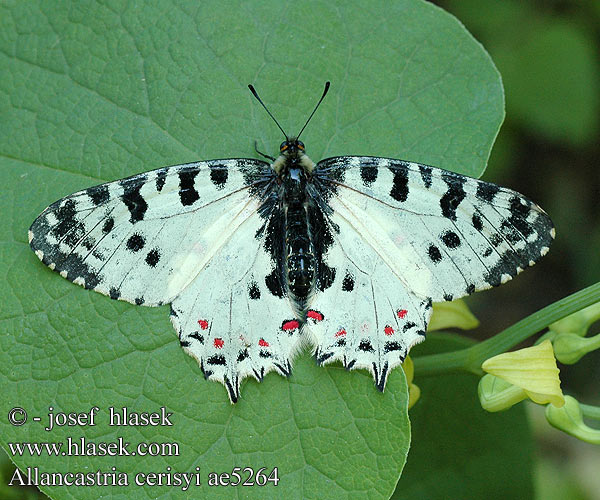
(135,242)
(366,346)
(218,175)
(132,198)
(425,175)
(408,325)
(242,355)
(392,346)
(450,239)
(348,283)
(470,288)
(161,177)
(368,174)
(197,336)
(74,236)
(114,293)
(139,301)
(153,257)
(187,191)
(399,191)
(66,216)
(322,239)
(253,290)
(108,225)
(88,243)
(448,297)
(325,276)
(322,357)
(486,191)
(510,232)
(477,222)
(434,254)
(496,240)
(453,196)
(520,210)
(98,194)
(217,359)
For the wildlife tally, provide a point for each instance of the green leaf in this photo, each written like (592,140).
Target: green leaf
(552,82)
(459,450)
(96,91)
(549,64)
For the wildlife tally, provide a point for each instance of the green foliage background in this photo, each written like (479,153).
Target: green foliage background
(94,91)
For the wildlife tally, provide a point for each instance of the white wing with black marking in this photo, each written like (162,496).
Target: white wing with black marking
(407,235)
(367,318)
(145,238)
(229,319)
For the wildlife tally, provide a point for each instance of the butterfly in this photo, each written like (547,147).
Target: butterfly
(260,258)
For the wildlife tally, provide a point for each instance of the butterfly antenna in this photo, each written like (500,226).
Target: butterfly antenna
(255,94)
(320,101)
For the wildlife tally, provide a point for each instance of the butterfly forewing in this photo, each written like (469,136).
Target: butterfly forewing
(144,239)
(443,234)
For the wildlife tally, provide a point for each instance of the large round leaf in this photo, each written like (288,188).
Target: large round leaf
(94,91)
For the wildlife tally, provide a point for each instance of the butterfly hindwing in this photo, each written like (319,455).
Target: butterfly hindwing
(230,320)
(367,318)
(144,238)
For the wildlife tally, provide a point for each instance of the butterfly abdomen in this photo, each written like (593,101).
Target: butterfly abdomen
(299,248)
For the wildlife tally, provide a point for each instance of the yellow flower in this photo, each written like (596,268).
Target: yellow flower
(529,372)
(413,390)
(454,314)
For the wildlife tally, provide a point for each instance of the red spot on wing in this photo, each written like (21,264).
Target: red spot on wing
(316,315)
(263,343)
(401,313)
(388,330)
(219,343)
(290,325)
(203,324)
(341,333)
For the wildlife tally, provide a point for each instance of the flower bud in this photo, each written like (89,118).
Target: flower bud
(569,419)
(579,322)
(570,347)
(496,394)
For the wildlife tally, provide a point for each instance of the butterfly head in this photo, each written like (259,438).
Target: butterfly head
(291,147)
(292,151)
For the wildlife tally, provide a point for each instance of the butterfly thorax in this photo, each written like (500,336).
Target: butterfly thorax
(292,154)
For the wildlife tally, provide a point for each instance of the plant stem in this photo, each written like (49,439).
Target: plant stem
(470,359)
(589,411)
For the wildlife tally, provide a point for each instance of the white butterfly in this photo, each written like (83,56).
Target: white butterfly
(258,259)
